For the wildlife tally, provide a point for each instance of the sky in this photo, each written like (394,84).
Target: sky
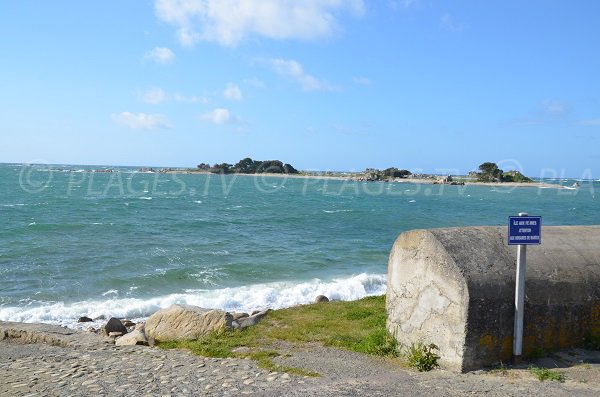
(424,85)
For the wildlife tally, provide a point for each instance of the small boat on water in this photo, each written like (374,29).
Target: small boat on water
(572,187)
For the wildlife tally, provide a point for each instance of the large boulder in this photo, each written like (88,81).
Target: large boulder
(114,325)
(186,322)
(321,298)
(245,322)
(135,337)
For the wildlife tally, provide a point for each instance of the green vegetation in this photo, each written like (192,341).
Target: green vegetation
(592,342)
(537,352)
(501,370)
(357,326)
(489,172)
(396,173)
(515,176)
(546,374)
(373,174)
(249,166)
(421,356)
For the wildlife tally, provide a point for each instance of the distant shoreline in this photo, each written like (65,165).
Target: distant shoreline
(351,177)
(339,175)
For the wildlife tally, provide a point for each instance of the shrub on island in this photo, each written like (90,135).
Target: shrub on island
(515,176)
(375,175)
(489,172)
(249,166)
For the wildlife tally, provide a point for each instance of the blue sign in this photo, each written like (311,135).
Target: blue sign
(526,230)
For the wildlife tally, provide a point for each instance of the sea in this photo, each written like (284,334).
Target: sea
(122,242)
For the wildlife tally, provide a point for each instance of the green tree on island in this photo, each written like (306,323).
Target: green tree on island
(249,166)
(394,172)
(489,172)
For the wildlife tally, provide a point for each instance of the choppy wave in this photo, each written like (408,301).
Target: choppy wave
(246,298)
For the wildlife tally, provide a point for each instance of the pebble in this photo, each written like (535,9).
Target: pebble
(104,370)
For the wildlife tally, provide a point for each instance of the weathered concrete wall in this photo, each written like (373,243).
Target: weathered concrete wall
(455,287)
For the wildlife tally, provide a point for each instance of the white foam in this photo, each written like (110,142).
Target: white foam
(412,201)
(247,298)
(145,198)
(220,253)
(335,211)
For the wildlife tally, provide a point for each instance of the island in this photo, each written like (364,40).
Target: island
(488,174)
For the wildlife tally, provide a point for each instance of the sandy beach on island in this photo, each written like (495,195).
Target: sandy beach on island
(353,177)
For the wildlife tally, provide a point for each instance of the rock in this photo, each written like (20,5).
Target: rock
(127,323)
(100,317)
(254,312)
(252,320)
(133,338)
(185,322)
(237,316)
(115,334)
(84,319)
(114,325)
(321,298)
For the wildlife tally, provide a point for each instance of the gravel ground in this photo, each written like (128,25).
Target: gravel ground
(42,360)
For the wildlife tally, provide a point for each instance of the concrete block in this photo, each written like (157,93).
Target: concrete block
(455,287)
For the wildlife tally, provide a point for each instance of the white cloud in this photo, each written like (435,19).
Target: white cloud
(254,82)
(154,96)
(141,120)
(294,70)
(362,80)
(590,123)
(548,111)
(190,99)
(160,55)
(232,92)
(396,4)
(228,22)
(448,22)
(218,116)
(555,108)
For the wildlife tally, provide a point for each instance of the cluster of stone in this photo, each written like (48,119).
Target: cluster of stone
(104,369)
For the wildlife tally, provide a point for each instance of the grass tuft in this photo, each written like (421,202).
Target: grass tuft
(501,370)
(358,326)
(421,356)
(546,374)
(264,360)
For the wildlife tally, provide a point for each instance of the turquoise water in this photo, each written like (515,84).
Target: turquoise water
(125,243)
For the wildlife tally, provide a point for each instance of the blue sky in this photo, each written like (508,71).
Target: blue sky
(322,84)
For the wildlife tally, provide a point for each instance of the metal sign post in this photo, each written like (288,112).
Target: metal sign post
(523,230)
